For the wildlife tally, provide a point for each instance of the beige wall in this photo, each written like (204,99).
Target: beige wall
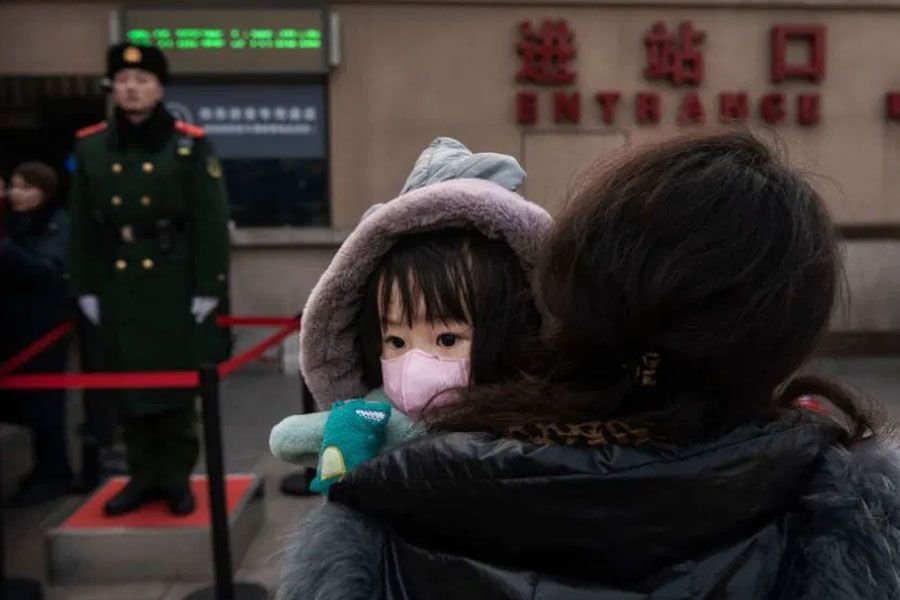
(275,281)
(872,294)
(412,72)
(53,38)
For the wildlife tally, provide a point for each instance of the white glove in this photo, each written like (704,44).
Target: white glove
(90,306)
(201,306)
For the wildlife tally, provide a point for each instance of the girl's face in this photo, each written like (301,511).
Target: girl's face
(445,340)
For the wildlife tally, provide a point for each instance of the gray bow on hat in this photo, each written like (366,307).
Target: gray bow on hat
(446,158)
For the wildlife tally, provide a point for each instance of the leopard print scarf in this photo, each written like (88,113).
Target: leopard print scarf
(591,434)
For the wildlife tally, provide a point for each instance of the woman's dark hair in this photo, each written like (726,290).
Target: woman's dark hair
(706,252)
(41,176)
(462,276)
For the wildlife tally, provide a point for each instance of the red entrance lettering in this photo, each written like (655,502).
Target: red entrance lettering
(814,37)
(609,101)
(691,110)
(677,59)
(546,53)
(647,108)
(808,112)
(526,108)
(733,107)
(772,108)
(893,106)
(567,107)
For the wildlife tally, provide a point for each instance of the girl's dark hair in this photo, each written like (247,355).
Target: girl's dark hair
(41,176)
(460,275)
(708,252)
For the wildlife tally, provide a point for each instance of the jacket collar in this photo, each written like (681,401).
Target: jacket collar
(852,545)
(150,135)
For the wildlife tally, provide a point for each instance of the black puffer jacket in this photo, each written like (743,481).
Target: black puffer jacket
(775,511)
(33,300)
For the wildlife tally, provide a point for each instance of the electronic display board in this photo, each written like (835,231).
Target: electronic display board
(204,41)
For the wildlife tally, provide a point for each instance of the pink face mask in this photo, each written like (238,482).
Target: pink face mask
(412,380)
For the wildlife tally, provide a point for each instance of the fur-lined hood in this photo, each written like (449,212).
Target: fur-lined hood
(838,540)
(330,361)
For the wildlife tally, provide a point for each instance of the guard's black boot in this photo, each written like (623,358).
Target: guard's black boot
(132,497)
(180,499)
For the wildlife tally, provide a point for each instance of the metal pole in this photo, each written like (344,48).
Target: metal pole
(309,405)
(90,447)
(215,472)
(224,587)
(297,483)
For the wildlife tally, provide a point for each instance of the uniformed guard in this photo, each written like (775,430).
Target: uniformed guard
(149,265)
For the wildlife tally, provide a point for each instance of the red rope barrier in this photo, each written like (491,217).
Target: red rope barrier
(35,348)
(101,381)
(135,380)
(230,366)
(226,321)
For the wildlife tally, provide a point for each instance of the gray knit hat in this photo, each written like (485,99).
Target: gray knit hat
(329,359)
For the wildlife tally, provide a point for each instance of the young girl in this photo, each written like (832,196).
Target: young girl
(429,294)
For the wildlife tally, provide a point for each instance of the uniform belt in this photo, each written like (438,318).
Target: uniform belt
(163,231)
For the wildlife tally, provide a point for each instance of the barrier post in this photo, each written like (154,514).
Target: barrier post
(90,445)
(297,483)
(223,587)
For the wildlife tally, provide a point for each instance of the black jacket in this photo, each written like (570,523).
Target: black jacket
(33,265)
(775,511)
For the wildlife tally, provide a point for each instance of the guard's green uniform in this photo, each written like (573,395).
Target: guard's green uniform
(149,233)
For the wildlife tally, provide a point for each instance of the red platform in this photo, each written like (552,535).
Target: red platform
(156,515)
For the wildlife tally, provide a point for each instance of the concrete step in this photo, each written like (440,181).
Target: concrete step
(151,544)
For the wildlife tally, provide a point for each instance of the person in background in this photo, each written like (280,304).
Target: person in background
(150,254)
(33,301)
(661,444)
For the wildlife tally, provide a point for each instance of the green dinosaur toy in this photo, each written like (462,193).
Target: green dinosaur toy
(341,439)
